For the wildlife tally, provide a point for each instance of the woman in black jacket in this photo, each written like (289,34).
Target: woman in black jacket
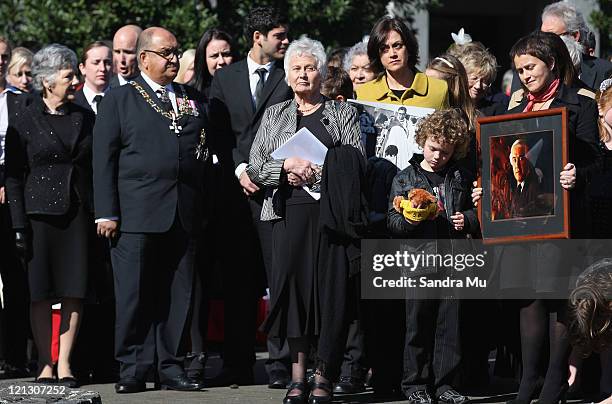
(548,78)
(49,189)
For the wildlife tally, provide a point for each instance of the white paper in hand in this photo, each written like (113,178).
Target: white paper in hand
(305,145)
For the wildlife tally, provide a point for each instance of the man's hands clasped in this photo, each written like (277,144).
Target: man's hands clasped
(108,228)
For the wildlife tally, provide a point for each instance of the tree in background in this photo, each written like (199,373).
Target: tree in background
(602,20)
(34,23)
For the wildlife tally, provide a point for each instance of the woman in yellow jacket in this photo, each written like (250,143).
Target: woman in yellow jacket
(394,51)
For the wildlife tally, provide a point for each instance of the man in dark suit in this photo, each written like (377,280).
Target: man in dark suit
(96,64)
(149,159)
(525,194)
(125,63)
(563,18)
(14,322)
(239,95)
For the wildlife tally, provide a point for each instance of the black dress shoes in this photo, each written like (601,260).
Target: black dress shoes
(181,383)
(130,385)
(349,385)
(301,398)
(69,382)
(279,379)
(327,398)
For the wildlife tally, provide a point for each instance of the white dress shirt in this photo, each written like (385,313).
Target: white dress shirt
(89,96)
(169,89)
(3,122)
(253,80)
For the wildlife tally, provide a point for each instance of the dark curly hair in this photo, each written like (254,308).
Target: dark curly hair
(264,20)
(445,126)
(590,309)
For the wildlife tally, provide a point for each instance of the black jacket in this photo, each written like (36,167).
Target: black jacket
(583,147)
(14,104)
(41,172)
(594,70)
(234,119)
(144,172)
(458,190)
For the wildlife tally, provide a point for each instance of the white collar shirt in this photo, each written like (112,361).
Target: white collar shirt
(170,90)
(4,120)
(254,76)
(89,96)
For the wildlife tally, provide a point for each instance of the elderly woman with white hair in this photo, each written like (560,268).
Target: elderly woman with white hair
(295,313)
(49,189)
(357,64)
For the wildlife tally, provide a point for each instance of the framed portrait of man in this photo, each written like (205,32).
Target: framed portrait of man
(522,156)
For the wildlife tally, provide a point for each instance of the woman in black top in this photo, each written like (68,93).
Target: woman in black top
(49,188)
(543,64)
(298,312)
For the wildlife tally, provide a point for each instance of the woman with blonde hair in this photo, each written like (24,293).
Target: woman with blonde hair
(448,68)
(19,73)
(186,71)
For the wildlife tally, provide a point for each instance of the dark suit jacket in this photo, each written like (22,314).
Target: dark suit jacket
(41,172)
(594,70)
(524,204)
(80,100)
(144,173)
(583,141)
(14,104)
(234,119)
(114,82)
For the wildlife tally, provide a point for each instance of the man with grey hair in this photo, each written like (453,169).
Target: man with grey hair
(125,63)
(563,18)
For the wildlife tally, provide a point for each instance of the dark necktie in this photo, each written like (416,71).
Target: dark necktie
(164,99)
(261,72)
(97,99)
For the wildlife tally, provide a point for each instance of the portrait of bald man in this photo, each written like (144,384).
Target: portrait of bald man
(526,189)
(150,153)
(125,63)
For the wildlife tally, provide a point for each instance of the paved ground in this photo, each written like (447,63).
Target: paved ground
(256,394)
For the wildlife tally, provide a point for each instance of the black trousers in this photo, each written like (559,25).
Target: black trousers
(431,352)
(153,280)
(14,318)
(279,357)
(353,364)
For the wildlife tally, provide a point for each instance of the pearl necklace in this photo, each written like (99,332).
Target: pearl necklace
(307,110)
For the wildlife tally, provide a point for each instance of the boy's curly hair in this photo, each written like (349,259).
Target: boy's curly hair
(590,309)
(445,126)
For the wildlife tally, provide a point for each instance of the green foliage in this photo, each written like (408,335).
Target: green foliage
(34,23)
(602,20)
